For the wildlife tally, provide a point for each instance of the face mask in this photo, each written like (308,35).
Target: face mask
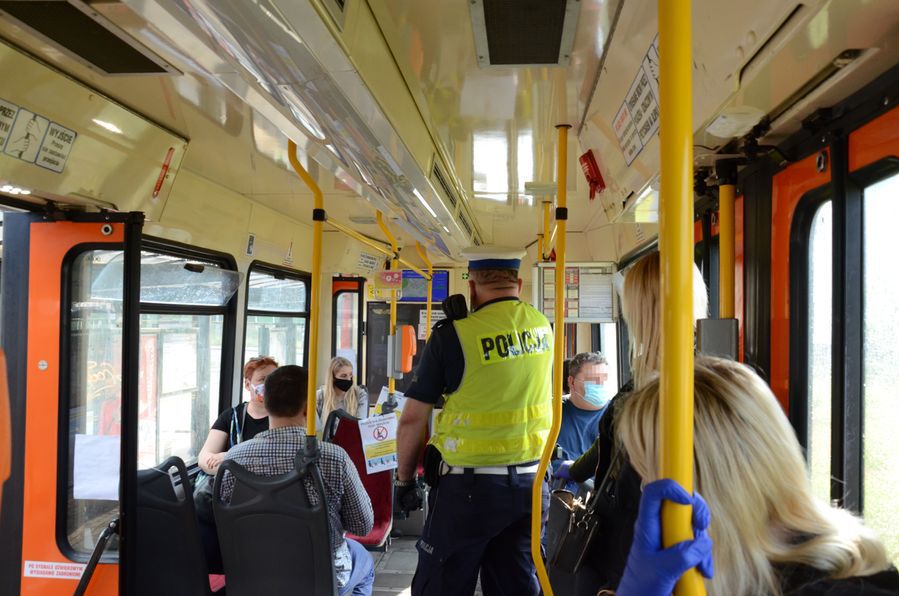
(259,390)
(597,395)
(343,384)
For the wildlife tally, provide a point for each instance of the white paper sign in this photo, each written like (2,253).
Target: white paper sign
(97,467)
(26,135)
(7,117)
(382,399)
(436,315)
(379,442)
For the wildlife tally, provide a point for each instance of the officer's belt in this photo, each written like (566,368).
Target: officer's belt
(492,470)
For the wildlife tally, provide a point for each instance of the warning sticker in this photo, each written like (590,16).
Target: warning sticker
(379,442)
(34,138)
(54,570)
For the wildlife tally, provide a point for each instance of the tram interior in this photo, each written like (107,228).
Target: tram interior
(441,116)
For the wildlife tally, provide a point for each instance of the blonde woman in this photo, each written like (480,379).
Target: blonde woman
(641,299)
(340,393)
(770,535)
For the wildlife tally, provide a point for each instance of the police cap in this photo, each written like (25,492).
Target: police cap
(493,257)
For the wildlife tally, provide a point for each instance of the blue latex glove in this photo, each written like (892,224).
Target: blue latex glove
(564,470)
(652,570)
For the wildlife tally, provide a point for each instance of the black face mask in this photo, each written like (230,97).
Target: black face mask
(343,384)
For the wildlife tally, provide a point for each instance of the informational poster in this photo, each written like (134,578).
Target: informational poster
(96,467)
(379,442)
(436,315)
(588,296)
(637,121)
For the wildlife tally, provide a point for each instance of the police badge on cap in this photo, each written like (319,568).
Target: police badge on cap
(493,257)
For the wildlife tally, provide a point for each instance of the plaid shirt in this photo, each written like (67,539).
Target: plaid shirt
(272,453)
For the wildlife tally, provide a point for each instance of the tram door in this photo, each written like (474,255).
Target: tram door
(70,290)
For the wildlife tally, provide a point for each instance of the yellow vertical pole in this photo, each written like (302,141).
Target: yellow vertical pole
(726,242)
(391,382)
(318,218)
(544,251)
(424,257)
(558,354)
(676,251)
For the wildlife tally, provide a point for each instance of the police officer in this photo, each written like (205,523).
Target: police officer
(493,367)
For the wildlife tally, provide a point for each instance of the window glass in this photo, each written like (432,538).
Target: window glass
(880,467)
(820,268)
(167,279)
(179,375)
(269,293)
(180,372)
(282,338)
(95,382)
(346,338)
(271,330)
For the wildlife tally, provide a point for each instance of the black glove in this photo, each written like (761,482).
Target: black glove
(407,496)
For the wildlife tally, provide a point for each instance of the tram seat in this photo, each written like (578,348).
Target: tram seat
(273,539)
(379,485)
(169,553)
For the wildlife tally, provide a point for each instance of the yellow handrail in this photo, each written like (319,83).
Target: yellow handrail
(676,252)
(315,290)
(544,250)
(726,238)
(391,382)
(373,244)
(558,357)
(424,257)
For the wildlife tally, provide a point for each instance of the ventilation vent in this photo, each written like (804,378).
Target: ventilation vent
(85,35)
(524,32)
(463,221)
(439,178)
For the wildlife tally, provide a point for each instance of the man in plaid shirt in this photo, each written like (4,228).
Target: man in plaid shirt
(272,453)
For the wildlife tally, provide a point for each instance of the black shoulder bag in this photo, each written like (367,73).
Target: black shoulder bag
(581,522)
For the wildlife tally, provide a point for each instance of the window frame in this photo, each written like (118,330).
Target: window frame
(287,273)
(228,311)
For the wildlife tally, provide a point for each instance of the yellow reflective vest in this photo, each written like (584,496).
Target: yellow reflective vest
(502,411)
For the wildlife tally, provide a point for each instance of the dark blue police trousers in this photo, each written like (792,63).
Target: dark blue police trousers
(478,523)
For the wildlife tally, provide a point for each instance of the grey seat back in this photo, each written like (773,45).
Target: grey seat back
(273,539)
(170,558)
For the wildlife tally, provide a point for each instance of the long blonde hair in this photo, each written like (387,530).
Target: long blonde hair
(329,397)
(642,310)
(749,467)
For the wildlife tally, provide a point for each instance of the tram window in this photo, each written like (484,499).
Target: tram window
(346,322)
(277,314)
(95,374)
(820,265)
(182,328)
(880,466)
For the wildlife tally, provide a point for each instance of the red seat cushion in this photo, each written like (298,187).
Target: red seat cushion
(379,485)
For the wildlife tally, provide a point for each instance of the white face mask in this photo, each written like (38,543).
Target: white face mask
(259,391)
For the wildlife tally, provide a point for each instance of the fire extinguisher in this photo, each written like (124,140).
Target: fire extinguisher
(591,172)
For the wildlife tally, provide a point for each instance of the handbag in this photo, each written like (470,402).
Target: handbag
(575,523)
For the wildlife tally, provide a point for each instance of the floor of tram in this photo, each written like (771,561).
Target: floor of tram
(394,569)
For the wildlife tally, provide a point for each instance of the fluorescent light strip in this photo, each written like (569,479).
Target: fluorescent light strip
(424,202)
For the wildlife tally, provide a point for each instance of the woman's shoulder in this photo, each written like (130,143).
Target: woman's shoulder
(802,580)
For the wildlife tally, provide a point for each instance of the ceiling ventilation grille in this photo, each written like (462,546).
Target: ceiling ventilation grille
(86,36)
(442,184)
(463,221)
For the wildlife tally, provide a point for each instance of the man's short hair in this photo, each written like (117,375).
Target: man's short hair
(494,278)
(286,391)
(578,362)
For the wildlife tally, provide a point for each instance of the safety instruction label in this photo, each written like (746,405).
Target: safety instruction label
(34,138)
(53,570)
(379,442)
(637,121)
